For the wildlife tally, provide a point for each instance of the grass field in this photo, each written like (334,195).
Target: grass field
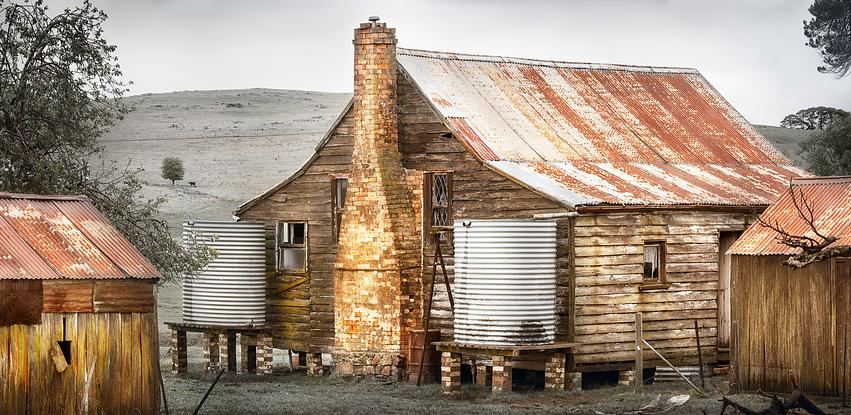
(286,392)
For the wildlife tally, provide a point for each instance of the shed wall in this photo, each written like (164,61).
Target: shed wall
(122,348)
(790,320)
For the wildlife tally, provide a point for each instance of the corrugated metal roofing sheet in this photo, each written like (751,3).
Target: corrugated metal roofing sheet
(588,134)
(830,199)
(43,237)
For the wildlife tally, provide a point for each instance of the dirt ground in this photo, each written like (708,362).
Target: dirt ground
(286,392)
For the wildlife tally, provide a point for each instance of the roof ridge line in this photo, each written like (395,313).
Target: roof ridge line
(545,62)
(822,180)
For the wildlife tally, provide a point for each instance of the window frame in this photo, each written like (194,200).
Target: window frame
(662,280)
(337,210)
(428,202)
(279,247)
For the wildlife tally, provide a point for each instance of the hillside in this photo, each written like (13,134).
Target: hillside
(786,140)
(234,144)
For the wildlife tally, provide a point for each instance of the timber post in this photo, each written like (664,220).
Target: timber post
(639,357)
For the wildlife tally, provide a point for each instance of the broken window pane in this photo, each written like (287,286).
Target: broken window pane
(653,261)
(291,246)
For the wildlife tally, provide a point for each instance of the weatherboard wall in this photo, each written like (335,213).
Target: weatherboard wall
(609,264)
(302,316)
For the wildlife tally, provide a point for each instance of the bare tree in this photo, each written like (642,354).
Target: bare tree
(813,248)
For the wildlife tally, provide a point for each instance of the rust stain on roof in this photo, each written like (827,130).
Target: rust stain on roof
(591,134)
(64,237)
(830,199)
(469,137)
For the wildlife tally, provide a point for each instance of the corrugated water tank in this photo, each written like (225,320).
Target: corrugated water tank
(231,289)
(505,281)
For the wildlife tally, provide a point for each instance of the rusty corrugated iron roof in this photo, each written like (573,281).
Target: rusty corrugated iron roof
(48,237)
(830,199)
(591,134)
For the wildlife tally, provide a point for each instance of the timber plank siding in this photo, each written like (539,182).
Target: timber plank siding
(787,319)
(302,317)
(609,257)
(121,346)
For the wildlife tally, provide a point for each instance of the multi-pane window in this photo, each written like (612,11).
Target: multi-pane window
(437,201)
(338,203)
(291,246)
(654,262)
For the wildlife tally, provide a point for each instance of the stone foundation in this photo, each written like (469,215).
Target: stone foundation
(626,377)
(380,365)
(573,381)
(314,364)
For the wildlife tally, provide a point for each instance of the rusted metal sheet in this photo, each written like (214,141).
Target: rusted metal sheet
(830,199)
(123,297)
(20,302)
(63,237)
(109,240)
(65,296)
(587,134)
(582,183)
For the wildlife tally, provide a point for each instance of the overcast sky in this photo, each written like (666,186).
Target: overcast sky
(751,50)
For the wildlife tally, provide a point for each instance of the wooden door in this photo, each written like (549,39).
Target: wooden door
(725,241)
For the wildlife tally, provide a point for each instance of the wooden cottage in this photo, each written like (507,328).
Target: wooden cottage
(649,172)
(78,322)
(794,320)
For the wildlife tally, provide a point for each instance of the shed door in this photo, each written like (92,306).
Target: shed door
(725,241)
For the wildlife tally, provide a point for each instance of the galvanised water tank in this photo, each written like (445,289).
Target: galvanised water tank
(231,289)
(505,282)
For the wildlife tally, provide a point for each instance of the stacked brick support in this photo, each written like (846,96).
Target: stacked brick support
(178,352)
(264,353)
(554,372)
(210,341)
(223,351)
(314,364)
(450,372)
(502,378)
(626,377)
(377,261)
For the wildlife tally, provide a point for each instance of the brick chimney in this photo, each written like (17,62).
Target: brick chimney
(378,250)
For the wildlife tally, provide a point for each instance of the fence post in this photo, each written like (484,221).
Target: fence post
(639,357)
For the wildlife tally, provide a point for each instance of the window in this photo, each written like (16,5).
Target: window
(437,201)
(291,246)
(338,203)
(654,262)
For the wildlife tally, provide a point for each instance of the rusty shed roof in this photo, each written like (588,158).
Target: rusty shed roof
(595,134)
(49,237)
(830,199)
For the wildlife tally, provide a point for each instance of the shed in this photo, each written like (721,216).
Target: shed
(649,173)
(788,320)
(78,322)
